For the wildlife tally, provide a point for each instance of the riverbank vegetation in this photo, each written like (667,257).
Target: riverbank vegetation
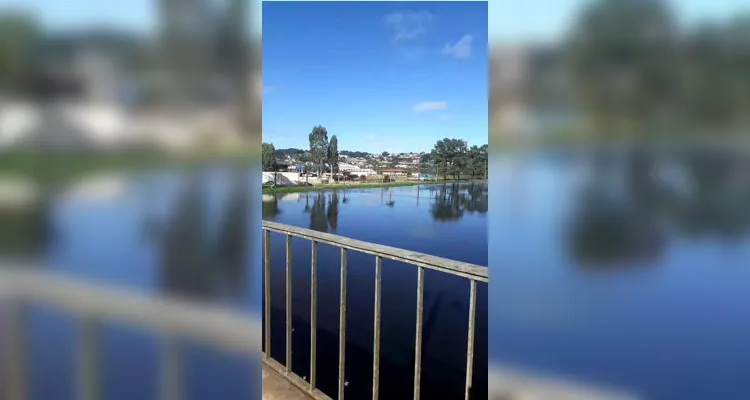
(628,70)
(55,167)
(341,186)
(448,157)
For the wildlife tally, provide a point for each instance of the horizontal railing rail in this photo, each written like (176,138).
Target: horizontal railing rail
(473,273)
(91,304)
(466,270)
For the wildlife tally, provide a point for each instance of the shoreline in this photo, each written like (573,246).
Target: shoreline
(340,186)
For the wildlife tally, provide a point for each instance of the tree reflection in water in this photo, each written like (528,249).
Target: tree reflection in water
(333,211)
(233,237)
(194,264)
(270,205)
(318,217)
(631,226)
(27,231)
(453,200)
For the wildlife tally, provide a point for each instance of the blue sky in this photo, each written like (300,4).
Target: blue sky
(381,76)
(544,21)
(510,20)
(408,71)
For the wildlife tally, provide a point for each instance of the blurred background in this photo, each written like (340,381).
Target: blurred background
(620,236)
(128,133)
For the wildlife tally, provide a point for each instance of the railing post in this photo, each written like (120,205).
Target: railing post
(15,349)
(267,291)
(473,273)
(376,332)
(171,369)
(313,311)
(418,335)
(470,340)
(288,303)
(342,325)
(88,358)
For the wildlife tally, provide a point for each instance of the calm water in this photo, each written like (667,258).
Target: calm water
(185,235)
(443,220)
(630,271)
(188,235)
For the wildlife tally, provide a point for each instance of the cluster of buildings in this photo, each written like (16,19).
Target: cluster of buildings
(365,164)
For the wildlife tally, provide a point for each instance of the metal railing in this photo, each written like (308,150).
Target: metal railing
(91,305)
(472,273)
(177,320)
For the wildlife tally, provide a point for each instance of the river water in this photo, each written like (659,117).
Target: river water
(189,235)
(629,270)
(443,220)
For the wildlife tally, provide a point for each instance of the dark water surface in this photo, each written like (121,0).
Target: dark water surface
(187,234)
(443,220)
(629,270)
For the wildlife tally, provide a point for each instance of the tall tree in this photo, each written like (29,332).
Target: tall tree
(319,146)
(440,156)
(477,161)
(268,155)
(333,154)
(459,157)
(623,56)
(18,36)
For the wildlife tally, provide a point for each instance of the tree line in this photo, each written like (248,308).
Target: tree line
(323,153)
(636,70)
(451,157)
(454,157)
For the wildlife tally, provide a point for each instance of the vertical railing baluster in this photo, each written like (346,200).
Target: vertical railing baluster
(419,331)
(88,358)
(288,303)
(313,310)
(418,336)
(470,340)
(267,290)
(15,350)
(171,369)
(342,325)
(376,333)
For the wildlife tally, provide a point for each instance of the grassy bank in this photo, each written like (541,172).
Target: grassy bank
(55,168)
(339,186)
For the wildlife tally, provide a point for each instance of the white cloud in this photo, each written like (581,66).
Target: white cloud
(461,49)
(445,117)
(370,138)
(423,106)
(407,25)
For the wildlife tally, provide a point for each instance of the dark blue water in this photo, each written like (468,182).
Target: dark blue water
(188,236)
(442,220)
(631,273)
(196,235)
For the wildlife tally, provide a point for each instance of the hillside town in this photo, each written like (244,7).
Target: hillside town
(358,163)
(322,161)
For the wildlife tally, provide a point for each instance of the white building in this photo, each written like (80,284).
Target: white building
(355,170)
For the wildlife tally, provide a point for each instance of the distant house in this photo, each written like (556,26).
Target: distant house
(394,172)
(355,170)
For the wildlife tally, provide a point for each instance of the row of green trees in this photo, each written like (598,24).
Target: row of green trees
(637,71)
(451,157)
(454,157)
(322,152)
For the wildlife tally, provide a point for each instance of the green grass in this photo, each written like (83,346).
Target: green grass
(335,186)
(56,168)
